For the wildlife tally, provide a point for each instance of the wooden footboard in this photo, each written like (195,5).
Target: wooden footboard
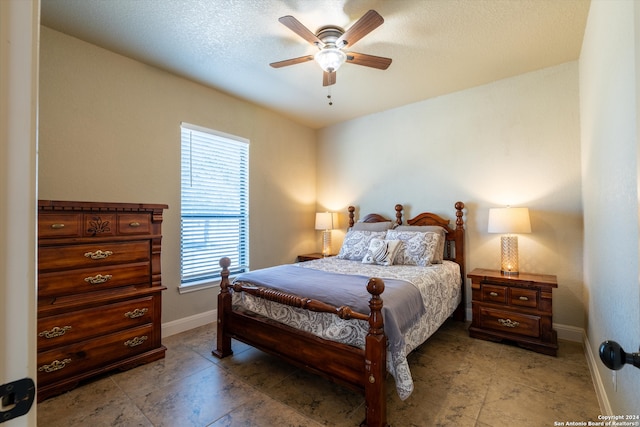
(358,369)
(361,370)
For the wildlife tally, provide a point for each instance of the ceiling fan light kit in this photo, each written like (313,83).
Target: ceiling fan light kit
(331,40)
(330,59)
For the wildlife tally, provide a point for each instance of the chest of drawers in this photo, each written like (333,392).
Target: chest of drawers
(99,290)
(516,308)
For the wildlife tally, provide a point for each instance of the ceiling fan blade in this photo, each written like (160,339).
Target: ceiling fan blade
(372,61)
(328,79)
(294,25)
(363,26)
(292,61)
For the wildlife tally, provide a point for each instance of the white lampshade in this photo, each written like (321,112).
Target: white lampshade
(509,220)
(324,221)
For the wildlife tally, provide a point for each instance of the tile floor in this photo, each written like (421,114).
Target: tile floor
(459,381)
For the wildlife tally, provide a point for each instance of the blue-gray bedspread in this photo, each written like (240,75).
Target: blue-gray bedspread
(402,302)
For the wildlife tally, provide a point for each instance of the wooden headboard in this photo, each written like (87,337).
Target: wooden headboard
(454,245)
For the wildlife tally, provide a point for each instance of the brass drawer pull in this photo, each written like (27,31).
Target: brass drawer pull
(98,254)
(136,341)
(138,312)
(134,224)
(98,279)
(523,298)
(55,332)
(493,294)
(56,365)
(508,323)
(57,226)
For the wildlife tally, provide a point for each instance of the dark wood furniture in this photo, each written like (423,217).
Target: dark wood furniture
(358,369)
(99,290)
(309,257)
(516,308)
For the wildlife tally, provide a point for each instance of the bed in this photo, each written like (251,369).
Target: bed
(349,335)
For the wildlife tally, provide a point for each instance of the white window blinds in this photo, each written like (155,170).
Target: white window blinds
(214,204)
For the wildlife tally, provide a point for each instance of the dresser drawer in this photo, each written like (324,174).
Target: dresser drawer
(514,323)
(91,255)
(494,294)
(524,297)
(95,353)
(92,279)
(134,224)
(59,225)
(94,322)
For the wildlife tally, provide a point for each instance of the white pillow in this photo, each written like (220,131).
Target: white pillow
(442,237)
(356,242)
(381,252)
(418,248)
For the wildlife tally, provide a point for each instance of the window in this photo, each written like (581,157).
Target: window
(214,205)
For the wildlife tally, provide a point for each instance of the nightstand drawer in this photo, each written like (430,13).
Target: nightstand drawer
(495,294)
(524,297)
(510,322)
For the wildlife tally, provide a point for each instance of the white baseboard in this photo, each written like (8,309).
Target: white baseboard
(186,323)
(601,394)
(569,333)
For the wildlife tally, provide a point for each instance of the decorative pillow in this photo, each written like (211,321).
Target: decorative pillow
(356,242)
(372,226)
(442,232)
(381,252)
(418,248)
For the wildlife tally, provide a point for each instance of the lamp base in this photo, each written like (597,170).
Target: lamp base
(509,273)
(326,243)
(509,255)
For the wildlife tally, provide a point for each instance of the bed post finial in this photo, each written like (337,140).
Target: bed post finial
(351,216)
(459,220)
(399,208)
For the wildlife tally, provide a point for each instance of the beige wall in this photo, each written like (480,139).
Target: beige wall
(110,131)
(609,94)
(515,141)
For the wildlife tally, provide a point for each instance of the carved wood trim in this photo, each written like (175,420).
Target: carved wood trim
(344,312)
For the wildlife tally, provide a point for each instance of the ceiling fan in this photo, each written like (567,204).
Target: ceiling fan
(331,40)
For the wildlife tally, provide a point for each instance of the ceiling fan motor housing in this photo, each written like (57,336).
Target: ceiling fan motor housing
(329,34)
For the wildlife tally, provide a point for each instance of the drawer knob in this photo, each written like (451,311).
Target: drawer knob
(55,332)
(136,341)
(138,312)
(98,254)
(493,294)
(57,226)
(56,365)
(523,298)
(134,224)
(508,323)
(98,279)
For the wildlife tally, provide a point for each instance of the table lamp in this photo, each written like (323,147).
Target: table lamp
(325,222)
(509,221)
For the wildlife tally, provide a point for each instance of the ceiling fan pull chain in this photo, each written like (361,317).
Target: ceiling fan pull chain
(329,95)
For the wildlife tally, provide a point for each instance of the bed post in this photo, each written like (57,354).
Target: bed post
(460,314)
(351,210)
(375,360)
(399,208)
(223,342)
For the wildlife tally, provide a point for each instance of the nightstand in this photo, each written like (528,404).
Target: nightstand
(515,308)
(309,257)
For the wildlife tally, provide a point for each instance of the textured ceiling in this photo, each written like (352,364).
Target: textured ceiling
(437,46)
